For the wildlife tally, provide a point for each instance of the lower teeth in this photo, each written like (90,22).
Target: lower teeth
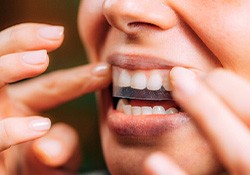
(124,107)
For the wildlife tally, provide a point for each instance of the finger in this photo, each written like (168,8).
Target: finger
(58,87)
(227,134)
(159,164)
(19,66)
(18,130)
(30,36)
(233,90)
(59,148)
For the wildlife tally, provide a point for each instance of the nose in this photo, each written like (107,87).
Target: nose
(130,16)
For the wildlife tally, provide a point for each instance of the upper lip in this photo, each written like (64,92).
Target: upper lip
(147,62)
(134,61)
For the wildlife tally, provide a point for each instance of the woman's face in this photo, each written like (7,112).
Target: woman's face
(143,40)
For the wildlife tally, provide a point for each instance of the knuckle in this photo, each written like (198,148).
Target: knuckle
(57,80)
(5,134)
(2,66)
(2,70)
(52,84)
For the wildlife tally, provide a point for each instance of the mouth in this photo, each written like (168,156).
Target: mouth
(142,92)
(142,103)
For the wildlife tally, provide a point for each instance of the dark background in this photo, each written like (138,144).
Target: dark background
(80,113)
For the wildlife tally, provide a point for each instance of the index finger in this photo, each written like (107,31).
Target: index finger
(55,88)
(233,90)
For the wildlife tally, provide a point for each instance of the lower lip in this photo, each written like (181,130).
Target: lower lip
(144,125)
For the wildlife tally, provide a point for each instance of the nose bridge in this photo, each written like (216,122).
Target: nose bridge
(124,14)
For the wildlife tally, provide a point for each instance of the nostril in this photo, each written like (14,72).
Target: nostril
(135,17)
(140,25)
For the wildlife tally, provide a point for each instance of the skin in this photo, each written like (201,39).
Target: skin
(19,110)
(212,69)
(220,116)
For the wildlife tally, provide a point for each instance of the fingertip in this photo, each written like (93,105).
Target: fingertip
(178,74)
(154,164)
(103,75)
(58,146)
(35,57)
(38,61)
(51,32)
(16,130)
(101,69)
(160,164)
(48,151)
(183,81)
(34,36)
(51,36)
(40,124)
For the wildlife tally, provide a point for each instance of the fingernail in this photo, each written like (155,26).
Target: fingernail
(50,148)
(101,69)
(51,32)
(40,124)
(35,57)
(183,80)
(156,163)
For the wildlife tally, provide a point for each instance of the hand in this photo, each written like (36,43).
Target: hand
(220,107)
(23,54)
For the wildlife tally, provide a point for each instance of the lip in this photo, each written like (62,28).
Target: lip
(143,126)
(134,61)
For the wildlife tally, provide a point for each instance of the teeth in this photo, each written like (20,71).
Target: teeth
(139,81)
(166,83)
(159,110)
(123,106)
(127,109)
(172,111)
(154,82)
(146,110)
(115,76)
(136,110)
(124,79)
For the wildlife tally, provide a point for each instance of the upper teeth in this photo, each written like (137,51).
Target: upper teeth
(124,79)
(126,108)
(154,81)
(137,79)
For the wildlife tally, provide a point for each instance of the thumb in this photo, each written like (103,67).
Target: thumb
(60,147)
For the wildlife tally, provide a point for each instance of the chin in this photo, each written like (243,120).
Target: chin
(125,151)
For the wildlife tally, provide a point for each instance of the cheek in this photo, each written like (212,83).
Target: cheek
(223,26)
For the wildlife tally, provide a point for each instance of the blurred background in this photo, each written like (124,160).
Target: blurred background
(80,113)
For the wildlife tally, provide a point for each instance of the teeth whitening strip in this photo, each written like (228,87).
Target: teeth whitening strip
(144,94)
(141,84)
